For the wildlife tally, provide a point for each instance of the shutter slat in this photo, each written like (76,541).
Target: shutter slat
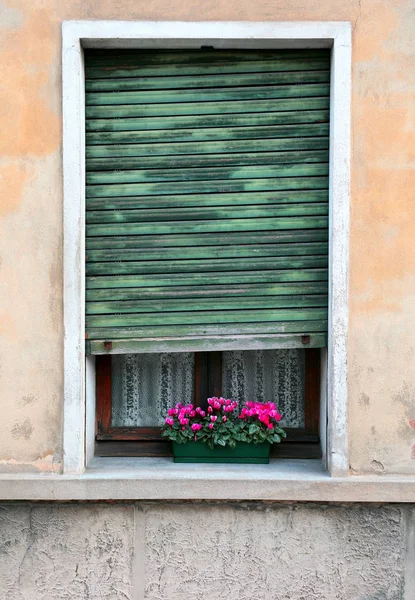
(207,187)
(182,227)
(208,160)
(225,239)
(253,66)
(193,121)
(209,252)
(207,80)
(208,292)
(211,213)
(204,200)
(230,277)
(208,317)
(208,174)
(214,265)
(192,148)
(207,194)
(206,108)
(208,94)
(211,304)
(207,134)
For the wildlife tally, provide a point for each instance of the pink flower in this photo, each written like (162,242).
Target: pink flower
(193,413)
(184,421)
(196,427)
(210,425)
(270,426)
(216,405)
(172,411)
(169,421)
(224,419)
(202,413)
(210,409)
(213,418)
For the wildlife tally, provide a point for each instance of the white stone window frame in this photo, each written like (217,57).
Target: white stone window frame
(79,369)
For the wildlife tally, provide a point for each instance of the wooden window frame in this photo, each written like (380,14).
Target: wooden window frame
(146,441)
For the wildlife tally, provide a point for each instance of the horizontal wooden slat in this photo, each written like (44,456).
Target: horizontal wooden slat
(207,134)
(207,108)
(114,333)
(208,80)
(205,344)
(208,317)
(228,278)
(224,239)
(224,146)
(194,122)
(208,94)
(231,225)
(210,213)
(205,266)
(207,187)
(208,200)
(207,174)
(208,252)
(227,290)
(215,56)
(207,160)
(121,70)
(210,304)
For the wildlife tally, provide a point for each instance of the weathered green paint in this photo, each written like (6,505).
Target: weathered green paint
(207,80)
(207,187)
(198,292)
(223,239)
(205,266)
(207,252)
(227,278)
(194,148)
(208,160)
(193,121)
(120,111)
(210,174)
(182,227)
(203,134)
(209,213)
(215,68)
(206,200)
(229,94)
(207,304)
(207,196)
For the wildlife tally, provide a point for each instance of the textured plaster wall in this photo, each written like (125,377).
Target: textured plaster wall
(382,285)
(194,552)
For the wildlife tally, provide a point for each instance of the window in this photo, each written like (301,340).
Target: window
(135,390)
(207,220)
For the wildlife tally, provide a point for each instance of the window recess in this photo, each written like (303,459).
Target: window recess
(207,218)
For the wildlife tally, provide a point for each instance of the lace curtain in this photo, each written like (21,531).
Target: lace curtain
(144,386)
(267,375)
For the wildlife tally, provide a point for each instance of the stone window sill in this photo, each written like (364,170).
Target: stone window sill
(127,479)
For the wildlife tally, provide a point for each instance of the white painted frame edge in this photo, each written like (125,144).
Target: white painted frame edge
(77,446)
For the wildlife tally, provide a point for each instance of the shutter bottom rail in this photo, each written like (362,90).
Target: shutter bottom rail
(206,344)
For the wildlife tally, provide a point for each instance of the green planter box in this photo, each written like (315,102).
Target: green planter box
(198,452)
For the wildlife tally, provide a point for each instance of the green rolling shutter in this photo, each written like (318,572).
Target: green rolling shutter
(207,195)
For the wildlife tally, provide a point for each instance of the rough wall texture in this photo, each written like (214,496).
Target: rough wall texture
(194,552)
(382,285)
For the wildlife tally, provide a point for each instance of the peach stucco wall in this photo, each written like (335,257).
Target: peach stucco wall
(382,277)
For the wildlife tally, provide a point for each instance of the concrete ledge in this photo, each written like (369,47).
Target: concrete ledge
(161,479)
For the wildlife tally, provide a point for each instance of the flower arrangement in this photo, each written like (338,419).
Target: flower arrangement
(223,424)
